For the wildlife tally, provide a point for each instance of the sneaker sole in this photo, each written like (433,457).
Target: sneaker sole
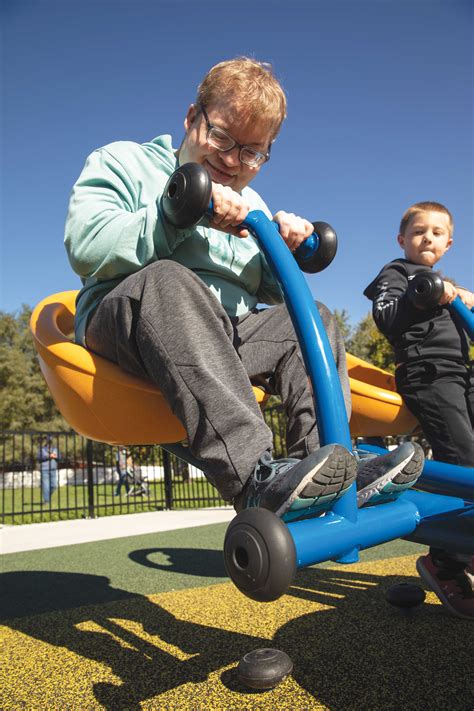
(412,471)
(377,487)
(325,482)
(432,584)
(403,480)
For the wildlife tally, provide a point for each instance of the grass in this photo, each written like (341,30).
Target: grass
(25,505)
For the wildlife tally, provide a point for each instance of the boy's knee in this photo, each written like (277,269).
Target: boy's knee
(324,312)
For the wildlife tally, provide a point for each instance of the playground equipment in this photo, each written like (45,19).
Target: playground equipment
(261,551)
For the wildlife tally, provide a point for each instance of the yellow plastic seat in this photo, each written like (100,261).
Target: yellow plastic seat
(104,403)
(96,397)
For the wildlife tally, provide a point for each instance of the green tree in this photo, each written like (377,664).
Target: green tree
(368,343)
(25,401)
(343,321)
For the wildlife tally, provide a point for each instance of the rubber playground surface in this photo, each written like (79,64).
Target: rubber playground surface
(152,622)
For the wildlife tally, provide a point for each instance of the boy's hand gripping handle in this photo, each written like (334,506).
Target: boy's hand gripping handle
(425,291)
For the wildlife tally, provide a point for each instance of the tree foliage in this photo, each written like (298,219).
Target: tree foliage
(343,321)
(366,342)
(25,402)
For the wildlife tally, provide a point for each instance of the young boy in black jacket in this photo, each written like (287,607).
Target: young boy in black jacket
(433,373)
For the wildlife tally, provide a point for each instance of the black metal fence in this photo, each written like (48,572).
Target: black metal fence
(68,476)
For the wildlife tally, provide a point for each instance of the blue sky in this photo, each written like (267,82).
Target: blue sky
(380,116)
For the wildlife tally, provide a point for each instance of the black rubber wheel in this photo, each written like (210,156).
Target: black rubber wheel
(187,195)
(259,554)
(264,668)
(405,596)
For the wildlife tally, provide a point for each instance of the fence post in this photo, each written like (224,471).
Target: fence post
(168,479)
(90,478)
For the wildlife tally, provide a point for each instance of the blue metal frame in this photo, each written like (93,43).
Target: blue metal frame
(430,518)
(467,315)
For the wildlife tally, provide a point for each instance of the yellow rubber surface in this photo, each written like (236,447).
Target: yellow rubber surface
(179,650)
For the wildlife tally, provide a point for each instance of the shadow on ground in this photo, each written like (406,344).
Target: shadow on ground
(187,561)
(352,652)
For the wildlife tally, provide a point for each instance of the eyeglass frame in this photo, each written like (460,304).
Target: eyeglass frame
(235,144)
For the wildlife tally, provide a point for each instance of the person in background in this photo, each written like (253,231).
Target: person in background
(48,461)
(124,462)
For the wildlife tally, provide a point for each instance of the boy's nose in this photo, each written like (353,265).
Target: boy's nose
(230,158)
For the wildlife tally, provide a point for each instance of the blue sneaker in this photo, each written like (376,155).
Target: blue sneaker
(383,478)
(290,487)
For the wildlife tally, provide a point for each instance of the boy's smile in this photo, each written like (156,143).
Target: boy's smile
(427,238)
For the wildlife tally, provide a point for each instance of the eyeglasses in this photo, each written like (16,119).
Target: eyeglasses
(220,139)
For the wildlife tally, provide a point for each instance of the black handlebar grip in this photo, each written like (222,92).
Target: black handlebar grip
(425,290)
(315,260)
(187,195)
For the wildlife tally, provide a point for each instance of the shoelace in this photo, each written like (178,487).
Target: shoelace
(265,471)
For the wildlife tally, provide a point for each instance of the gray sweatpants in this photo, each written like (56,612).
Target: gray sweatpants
(164,324)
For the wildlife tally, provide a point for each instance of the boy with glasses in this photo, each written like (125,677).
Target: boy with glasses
(180,307)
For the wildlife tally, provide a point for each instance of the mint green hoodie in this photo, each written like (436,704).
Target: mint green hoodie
(115,227)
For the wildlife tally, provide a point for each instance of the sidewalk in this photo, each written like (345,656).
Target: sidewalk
(34,536)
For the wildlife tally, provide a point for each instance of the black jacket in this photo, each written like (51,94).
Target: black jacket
(414,334)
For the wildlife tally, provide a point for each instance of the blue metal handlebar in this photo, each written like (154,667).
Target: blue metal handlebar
(315,348)
(306,249)
(331,415)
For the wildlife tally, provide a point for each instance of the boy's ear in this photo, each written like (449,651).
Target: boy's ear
(401,241)
(190,116)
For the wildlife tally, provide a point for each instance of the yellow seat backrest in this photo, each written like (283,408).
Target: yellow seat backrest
(377,408)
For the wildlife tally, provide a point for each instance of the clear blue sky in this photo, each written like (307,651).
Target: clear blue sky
(380,116)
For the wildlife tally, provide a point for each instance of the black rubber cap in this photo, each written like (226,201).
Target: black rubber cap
(405,595)
(264,668)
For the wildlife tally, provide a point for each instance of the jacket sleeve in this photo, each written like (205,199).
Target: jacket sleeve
(392,311)
(111,230)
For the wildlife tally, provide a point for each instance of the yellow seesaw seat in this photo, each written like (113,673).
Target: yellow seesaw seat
(106,404)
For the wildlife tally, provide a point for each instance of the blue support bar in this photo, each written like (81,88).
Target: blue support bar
(331,536)
(449,479)
(453,532)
